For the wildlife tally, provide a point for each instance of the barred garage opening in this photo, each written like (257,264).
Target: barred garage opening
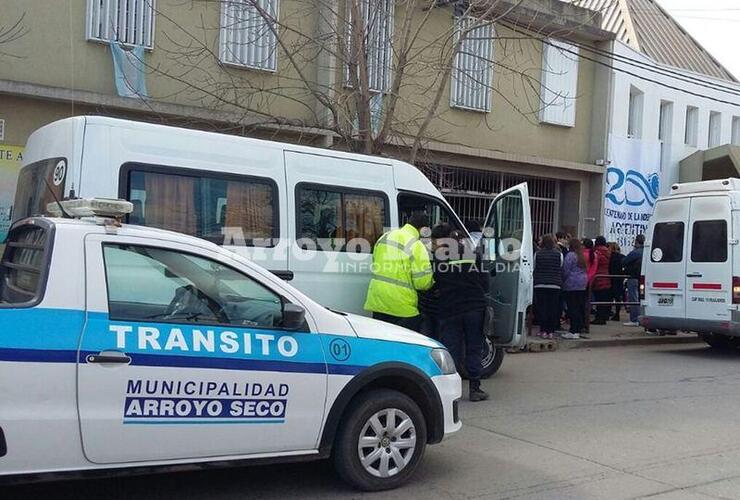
(470,192)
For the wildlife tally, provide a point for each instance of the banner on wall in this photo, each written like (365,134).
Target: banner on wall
(11,158)
(632,185)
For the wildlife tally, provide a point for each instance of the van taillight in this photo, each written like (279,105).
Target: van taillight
(642,287)
(736,289)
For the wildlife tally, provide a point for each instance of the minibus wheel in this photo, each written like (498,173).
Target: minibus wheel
(491,358)
(720,341)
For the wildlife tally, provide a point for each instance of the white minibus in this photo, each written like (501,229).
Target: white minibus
(691,262)
(301,212)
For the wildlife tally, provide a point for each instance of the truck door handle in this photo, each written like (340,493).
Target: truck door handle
(108,358)
(694,275)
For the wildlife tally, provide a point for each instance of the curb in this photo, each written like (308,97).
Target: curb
(667,339)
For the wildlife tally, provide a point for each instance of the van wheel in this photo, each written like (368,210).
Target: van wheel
(491,359)
(381,440)
(720,341)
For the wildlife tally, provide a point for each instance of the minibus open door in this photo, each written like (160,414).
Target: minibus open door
(508,258)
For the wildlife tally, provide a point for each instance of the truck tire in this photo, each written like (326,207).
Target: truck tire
(720,341)
(491,359)
(373,453)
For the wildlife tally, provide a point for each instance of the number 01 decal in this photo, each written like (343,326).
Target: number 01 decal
(340,349)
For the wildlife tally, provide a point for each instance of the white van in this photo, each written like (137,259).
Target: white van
(297,211)
(691,262)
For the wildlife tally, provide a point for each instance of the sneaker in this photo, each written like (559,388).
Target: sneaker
(631,323)
(570,336)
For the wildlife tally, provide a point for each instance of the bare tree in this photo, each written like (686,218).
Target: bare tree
(368,72)
(11,32)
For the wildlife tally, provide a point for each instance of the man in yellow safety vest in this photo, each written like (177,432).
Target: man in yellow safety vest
(401,268)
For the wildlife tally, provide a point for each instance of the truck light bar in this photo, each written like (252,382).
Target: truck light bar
(91,207)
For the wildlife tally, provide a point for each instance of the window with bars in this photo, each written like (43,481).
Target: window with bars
(370,25)
(129,22)
(559,83)
(470,86)
(249,33)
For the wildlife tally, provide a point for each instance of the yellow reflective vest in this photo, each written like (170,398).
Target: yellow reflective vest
(401,266)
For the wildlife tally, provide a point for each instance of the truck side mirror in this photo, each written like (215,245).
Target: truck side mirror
(294,316)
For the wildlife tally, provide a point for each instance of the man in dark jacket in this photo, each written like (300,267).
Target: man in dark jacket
(632,265)
(462,304)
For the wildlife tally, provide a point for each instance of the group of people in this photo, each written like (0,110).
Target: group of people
(566,268)
(443,297)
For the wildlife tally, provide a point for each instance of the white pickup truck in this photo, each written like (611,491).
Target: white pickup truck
(123,347)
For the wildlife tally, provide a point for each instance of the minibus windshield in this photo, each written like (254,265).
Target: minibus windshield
(36,182)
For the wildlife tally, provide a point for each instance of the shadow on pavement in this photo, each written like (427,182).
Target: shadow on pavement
(702,352)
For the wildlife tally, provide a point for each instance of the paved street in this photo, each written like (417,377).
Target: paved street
(619,422)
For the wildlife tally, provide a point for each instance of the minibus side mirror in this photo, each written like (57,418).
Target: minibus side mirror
(294,316)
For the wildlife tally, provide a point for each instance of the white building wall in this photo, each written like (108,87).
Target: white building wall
(658,90)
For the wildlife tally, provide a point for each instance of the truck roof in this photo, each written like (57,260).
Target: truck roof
(717,185)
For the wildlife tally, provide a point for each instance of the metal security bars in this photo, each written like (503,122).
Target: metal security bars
(470,193)
(129,22)
(373,31)
(470,86)
(559,83)
(249,34)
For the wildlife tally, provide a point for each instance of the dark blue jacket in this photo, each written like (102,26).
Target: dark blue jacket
(632,264)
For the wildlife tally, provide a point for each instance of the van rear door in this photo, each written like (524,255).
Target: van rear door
(665,290)
(709,263)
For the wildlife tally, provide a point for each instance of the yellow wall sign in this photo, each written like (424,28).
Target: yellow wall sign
(11,158)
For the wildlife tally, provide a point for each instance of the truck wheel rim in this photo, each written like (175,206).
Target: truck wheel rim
(387,442)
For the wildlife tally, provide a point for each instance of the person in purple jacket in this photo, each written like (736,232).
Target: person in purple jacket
(575,282)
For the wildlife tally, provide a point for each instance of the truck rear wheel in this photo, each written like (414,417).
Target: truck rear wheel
(381,441)
(721,341)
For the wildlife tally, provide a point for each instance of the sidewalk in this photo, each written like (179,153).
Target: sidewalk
(615,334)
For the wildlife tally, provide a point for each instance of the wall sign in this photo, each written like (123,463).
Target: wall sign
(632,185)
(11,158)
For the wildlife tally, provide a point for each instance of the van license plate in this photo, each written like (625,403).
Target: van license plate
(665,300)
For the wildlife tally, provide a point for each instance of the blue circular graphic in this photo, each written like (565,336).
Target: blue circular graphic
(340,349)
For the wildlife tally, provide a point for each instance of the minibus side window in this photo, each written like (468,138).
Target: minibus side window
(36,183)
(667,245)
(709,241)
(331,217)
(409,204)
(224,209)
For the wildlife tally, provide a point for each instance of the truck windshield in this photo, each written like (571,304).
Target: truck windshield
(32,194)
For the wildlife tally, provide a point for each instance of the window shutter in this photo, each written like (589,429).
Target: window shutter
(377,21)
(129,22)
(559,83)
(248,33)
(470,85)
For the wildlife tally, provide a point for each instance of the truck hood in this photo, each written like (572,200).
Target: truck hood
(369,328)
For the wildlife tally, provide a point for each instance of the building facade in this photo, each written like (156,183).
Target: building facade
(519,103)
(674,113)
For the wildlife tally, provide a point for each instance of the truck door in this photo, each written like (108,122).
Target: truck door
(337,208)
(509,258)
(665,259)
(709,263)
(182,356)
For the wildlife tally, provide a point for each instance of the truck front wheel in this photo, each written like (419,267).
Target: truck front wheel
(381,440)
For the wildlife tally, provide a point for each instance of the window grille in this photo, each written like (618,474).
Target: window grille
(249,33)
(129,22)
